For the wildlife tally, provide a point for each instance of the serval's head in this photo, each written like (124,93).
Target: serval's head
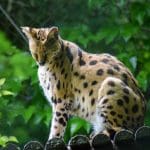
(43,42)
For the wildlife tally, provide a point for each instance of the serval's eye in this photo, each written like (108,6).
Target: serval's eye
(38,36)
(41,35)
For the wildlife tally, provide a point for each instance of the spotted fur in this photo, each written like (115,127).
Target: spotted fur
(96,87)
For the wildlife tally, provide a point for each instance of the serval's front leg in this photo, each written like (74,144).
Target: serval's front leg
(59,120)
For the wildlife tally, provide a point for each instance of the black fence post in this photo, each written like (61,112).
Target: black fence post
(33,145)
(124,140)
(142,138)
(102,142)
(11,146)
(79,142)
(55,144)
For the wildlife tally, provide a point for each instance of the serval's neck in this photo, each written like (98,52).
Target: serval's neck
(61,62)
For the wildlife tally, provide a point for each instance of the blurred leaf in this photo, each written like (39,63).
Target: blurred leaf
(13,139)
(133,61)
(138,12)
(128,30)
(142,79)
(4,140)
(6,92)
(28,112)
(2,81)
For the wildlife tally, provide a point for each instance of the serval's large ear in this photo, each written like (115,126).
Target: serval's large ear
(29,32)
(53,33)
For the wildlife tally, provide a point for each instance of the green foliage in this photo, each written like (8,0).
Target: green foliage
(4,92)
(118,27)
(5,139)
(75,126)
(22,103)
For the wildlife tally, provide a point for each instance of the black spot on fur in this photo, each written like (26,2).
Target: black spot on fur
(82,77)
(93,62)
(92,101)
(54,75)
(67,106)
(125,81)
(69,54)
(120,102)
(102,115)
(82,62)
(126,99)
(91,92)
(65,96)
(62,109)
(85,84)
(105,101)
(115,120)
(135,108)
(110,71)
(48,86)
(62,71)
(76,73)
(71,67)
(110,107)
(79,53)
(58,85)
(55,127)
(54,100)
(83,99)
(63,85)
(105,60)
(94,82)
(62,46)
(120,116)
(125,90)
(111,83)
(110,92)
(61,121)
(100,72)
(87,114)
(126,110)
(66,75)
(78,107)
(110,122)
(59,100)
(65,116)
(47,69)
(58,114)
(116,67)
(58,134)
(112,113)
(92,113)
(75,89)
(125,76)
